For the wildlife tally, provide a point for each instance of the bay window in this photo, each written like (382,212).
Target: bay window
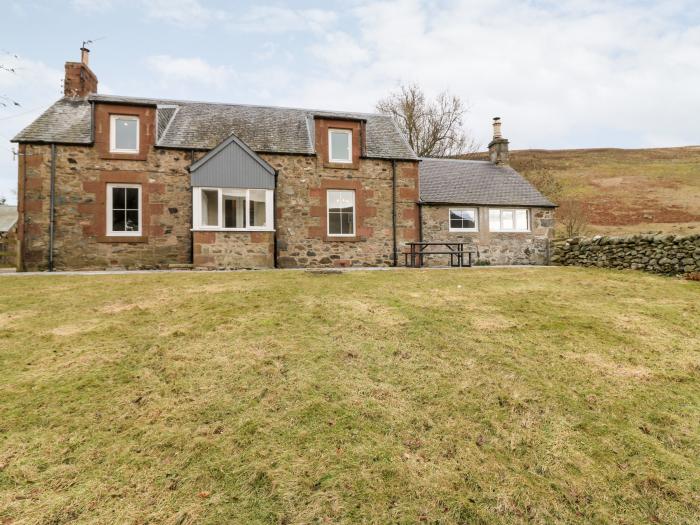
(232,209)
(509,220)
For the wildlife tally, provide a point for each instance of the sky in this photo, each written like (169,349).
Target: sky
(560,73)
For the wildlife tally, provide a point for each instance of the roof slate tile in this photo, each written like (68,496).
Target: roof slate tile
(451,181)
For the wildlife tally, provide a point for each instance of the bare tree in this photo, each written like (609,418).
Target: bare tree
(573,216)
(432,128)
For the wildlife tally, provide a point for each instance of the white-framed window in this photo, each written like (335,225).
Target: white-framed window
(341,212)
(463,220)
(509,220)
(123,134)
(340,145)
(124,210)
(232,209)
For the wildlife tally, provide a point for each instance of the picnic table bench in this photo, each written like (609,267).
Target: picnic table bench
(414,257)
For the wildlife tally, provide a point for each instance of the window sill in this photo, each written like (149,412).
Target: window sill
(122,238)
(232,230)
(340,238)
(464,231)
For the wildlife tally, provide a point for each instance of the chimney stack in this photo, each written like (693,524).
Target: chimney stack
(498,147)
(79,81)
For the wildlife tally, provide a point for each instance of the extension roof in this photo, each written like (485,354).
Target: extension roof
(203,125)
(451,181)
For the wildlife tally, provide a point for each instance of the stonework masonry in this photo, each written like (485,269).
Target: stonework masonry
(302,240)
(227,250)
(531,247)
(80,211)
(665,254)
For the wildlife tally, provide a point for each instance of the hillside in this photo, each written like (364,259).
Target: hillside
(623,191)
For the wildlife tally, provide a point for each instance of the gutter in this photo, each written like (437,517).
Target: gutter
(393,213)
(420,221)
(52,206)
(274,223)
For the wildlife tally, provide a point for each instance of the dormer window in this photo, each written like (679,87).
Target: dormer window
(124,134)
(340,146)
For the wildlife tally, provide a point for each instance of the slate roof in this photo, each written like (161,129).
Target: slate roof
(201,125)
(451,181)
(8,217)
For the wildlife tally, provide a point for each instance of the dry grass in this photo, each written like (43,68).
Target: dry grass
(552,395)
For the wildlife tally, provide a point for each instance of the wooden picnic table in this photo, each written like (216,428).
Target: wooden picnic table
(455,249)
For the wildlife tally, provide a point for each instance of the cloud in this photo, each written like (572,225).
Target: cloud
(186,13)
(274,19)
(561,74)
(174,70)
(95,6)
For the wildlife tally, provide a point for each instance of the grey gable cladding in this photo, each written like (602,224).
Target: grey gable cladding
(232,165)
(199,125)
(448,181)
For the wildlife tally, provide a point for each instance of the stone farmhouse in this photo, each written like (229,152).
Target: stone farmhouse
(119,182)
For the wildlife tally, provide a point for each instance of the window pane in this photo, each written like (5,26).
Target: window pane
(507,219)
(521,220)
(346,226)
(340,145)
(341,200)
(118,220)
(494,220)
(125,133)
(257,208)
(234,211)
(132,198)
(132,221)
(210,207)
(334,224)
(118,199)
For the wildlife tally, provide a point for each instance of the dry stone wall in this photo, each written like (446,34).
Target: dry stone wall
(665,254)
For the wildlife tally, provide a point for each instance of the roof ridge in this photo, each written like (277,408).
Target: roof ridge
(156,101)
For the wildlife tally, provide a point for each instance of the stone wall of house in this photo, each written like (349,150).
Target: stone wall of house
(300,215)
(531,247)
(80,212)
(8,248)
(227,250)
(666,254)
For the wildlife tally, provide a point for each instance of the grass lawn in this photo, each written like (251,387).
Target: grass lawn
(550,395)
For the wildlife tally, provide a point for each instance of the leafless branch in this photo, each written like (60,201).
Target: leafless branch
(432,128)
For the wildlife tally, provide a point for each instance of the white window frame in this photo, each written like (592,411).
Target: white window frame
(113,134)
(354,214)
(347,132)
(500,220)
(475,211)
(235,192)
(110,231)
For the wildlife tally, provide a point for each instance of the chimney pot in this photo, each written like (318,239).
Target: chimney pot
(84,55)
(497,128)
(498,148)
